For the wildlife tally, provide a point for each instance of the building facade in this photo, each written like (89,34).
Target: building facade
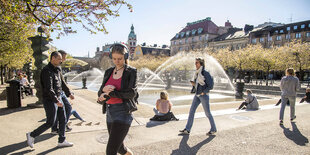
(143,49)
(270,36)
(196,35)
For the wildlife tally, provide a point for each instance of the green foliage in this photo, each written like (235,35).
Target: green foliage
(58,16)
(148,61)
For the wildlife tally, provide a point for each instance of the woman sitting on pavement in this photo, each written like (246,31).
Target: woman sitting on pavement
(163,109)
(306,97)
(250,103)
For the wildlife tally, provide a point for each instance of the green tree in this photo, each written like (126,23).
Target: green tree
(58,16)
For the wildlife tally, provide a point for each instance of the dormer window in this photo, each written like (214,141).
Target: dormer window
(177,35)
(187,33)
(200,30)
(194,32)
(182,34)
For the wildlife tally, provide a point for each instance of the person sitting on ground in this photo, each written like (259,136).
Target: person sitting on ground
(288,102)
(306,97)
(163,108)
(250,103)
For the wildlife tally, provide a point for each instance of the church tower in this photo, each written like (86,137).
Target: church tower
(132,41)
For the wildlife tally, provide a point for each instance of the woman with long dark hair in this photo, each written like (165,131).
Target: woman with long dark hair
(119,95)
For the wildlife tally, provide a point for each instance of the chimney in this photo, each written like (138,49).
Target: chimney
(155,45)
(144,44)
(97,49)
(164,46)
(248,28)
(228,24)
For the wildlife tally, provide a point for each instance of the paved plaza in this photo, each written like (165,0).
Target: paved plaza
(239,132)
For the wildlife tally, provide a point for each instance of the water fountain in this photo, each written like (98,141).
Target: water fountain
(173,76)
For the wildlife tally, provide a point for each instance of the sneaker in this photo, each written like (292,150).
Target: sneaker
(68,129)
(184,131)
(30,140)
(65,144)
(293,119)
(54,132)
(281,122)
(211,133)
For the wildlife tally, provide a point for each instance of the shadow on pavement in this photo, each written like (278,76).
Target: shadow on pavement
(184,148)
(17,146)
(49,151)
(6,111)
(154,123)
(295,135)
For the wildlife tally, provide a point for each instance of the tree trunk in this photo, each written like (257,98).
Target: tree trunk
(1,72)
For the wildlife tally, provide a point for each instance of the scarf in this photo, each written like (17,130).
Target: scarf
(199,78)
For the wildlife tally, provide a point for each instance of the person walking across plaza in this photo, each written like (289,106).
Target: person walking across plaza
(118,93)
(203,83)
(51,89)
(289,86)
(64,94)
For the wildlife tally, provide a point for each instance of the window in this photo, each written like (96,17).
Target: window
(287,36)
(177,35)
(193,39)
(276,31)
(200,30)
(270,39)
(281,31)
(180,42)
(194,32)
(278,38)
(187,33)
(297,35)
(295,27)
(253,41)
(134,43)
(200,38)
(180,49)
(309,25)
(207,36)
(303,26)
(261,40)
(175,42)
(288,28)
(186,40)
(308,34)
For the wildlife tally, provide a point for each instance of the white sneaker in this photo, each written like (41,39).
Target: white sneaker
(30,140)
(65,144)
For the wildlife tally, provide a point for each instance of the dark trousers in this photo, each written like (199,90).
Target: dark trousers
(118,123)
(243,104)
(117,133)
(68,109)
(52,111)
(303,100)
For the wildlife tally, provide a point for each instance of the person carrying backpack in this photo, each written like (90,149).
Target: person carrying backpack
(203,83)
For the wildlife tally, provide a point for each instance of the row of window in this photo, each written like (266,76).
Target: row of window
(278,38)
(189,32)
(295,27)
(192,40)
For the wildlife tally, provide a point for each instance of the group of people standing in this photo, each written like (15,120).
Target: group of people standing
(118,94)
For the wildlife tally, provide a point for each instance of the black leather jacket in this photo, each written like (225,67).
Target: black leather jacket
(128,92)
(51,82)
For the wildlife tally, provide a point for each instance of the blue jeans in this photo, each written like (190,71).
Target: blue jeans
(204,100)
(52,111)
(292,100)
(67,109)
(76,115)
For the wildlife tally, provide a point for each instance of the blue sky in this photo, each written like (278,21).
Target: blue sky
(157,21)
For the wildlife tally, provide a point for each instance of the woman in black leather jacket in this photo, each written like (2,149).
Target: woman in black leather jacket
(119,94)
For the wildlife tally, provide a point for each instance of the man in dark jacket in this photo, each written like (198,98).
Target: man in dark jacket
(64,94)
(51,86)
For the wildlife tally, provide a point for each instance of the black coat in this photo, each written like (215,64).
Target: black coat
(51,82)
(128,92)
